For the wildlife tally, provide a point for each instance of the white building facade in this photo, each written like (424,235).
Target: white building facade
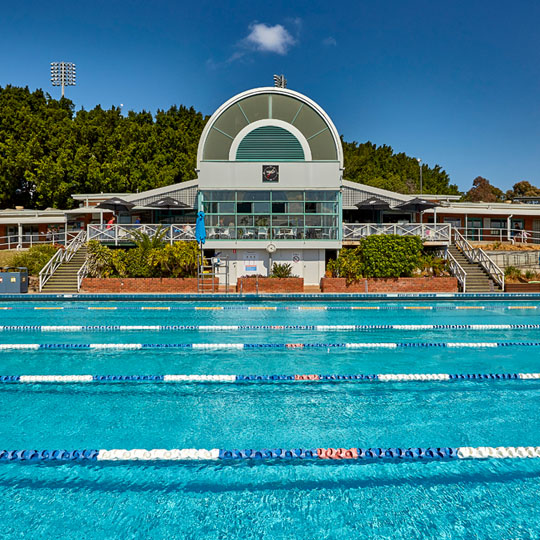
(270,167)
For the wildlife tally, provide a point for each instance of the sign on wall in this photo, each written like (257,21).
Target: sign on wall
(270,173)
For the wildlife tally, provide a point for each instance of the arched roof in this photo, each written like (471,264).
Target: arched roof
(270,124)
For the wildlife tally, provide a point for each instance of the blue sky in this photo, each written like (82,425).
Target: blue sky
(455,83)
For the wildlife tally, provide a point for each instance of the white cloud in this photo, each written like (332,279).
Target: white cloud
(329,42)
(266,38)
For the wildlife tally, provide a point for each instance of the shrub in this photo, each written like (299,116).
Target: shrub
(529,275)
(381,256)
(390,255)
(281,270)
(348,265)
(145,242)
(100,260)
(512,272)
(180,259)
(177,260)
(35,258)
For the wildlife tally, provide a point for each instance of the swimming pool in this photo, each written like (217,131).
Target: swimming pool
(243,498)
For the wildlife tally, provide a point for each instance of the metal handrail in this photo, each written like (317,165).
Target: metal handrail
(457,270)
(440,232)
(81,274)
(478,255)
(61,256)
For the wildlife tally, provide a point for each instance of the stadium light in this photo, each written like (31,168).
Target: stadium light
(63,74)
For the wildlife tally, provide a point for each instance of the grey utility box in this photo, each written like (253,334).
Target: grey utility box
(13,279)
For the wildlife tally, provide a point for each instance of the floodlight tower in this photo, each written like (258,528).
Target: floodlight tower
(63,74)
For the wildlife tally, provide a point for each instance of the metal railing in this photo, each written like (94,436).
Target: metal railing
(14,241)
(119,234)
(515,236)
(436,232)
(81,274)
(61,256)
(479,256)
(457,270)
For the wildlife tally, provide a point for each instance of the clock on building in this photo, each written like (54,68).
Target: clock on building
(270,173)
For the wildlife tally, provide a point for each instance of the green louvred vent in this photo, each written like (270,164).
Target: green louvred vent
(270,143)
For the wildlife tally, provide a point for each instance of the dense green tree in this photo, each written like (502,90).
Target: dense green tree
(483,191)
(48,151)
(378,166)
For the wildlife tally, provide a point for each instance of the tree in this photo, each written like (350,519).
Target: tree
(523,189)
(483,191)
(378,166)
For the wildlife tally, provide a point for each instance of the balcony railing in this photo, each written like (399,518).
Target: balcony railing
(119,234)
(434,232)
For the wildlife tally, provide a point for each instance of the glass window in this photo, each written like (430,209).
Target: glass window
(253,196)
(244,208)
(309,122)
(226,207)
(218,195)
(311,208)
(296,207)
(261,207)
(278,208)
(323,147)
(313,221)
(231,121)
(262,221)
(217,146)
(321,195)
(285,107)
(245,221)
(255,107)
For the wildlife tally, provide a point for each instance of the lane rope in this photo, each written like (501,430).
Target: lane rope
(251,346)
(379,377)
(346,455)
(444,307)
(217,328)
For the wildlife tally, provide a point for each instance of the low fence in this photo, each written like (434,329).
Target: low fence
(434,232)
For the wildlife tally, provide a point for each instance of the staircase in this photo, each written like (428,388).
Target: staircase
(478,280)
(64,278)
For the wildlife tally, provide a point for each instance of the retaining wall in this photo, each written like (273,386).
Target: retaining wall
(141,285)
(420,284)
(270,285)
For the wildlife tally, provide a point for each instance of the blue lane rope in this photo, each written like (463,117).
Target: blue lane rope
(250,346)
(345,455)
(380,377)
(212,328)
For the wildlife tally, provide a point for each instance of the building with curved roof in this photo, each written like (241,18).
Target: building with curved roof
(269,167)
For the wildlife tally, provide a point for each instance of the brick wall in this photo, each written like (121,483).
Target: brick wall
(374,285)
(270,285)
(140,285)
(522,287)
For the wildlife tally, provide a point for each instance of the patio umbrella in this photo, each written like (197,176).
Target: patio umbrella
(373,204)
(417,205)
(200,229)
(116,204)
(168,203)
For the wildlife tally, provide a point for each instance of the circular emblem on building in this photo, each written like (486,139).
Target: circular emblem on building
(271,248)
(270,173)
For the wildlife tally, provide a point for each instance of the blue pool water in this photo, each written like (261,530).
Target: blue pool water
(461,499)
